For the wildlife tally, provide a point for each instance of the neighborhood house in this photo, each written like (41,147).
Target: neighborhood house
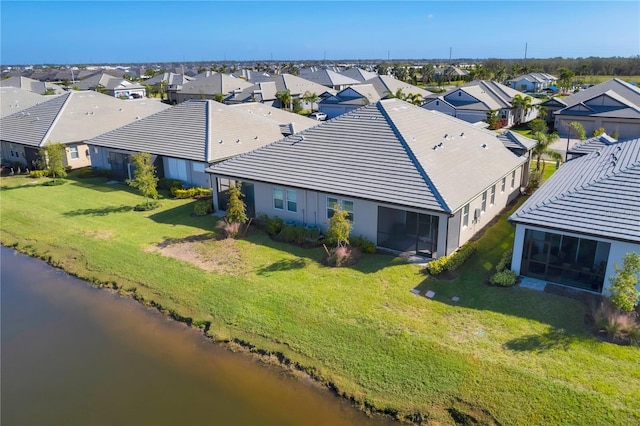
(412,181)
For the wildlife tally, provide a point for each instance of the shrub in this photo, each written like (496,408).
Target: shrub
(168,184)
(204,192)
(456,259)
(292,234)
(202,208)
(365,245)
(54,182)
(505,261)
(343,256)
(147,206)
(272,225)
(230,229)
(453,261)
(38,173)
(183,193)
(437,266)
(86,173)
(504,278)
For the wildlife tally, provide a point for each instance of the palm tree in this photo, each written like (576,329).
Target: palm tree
(310,98)
(163,89)
(545,140)
(427,72)
(414,98)
(284,96)
(522,106)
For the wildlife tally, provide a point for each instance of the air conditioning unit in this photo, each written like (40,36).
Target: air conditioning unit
(476,214)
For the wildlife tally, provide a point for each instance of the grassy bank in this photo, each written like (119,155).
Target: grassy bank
(513,356)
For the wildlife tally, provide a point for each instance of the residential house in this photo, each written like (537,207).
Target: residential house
(207,88)
(31,85)
(449,73)
(411,180)
(613,105)
(330,79)
(473,101)
(185,139)
(388,86)
(358,74)
(550,107)
(71,119)
(348,99)
(113,86)
(533,82)
(170,78)
(296,86)
(582,221)
(264,92)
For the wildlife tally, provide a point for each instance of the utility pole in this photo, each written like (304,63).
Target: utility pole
(525,50)
(450,50)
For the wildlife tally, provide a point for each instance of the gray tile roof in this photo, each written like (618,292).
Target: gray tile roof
(31,85)
(389,151)
(597,194)
(514,140)
(171,79)
(386,85)
(297,86)
(592,144)
(13,99)
(330,78)
(198,130)
(109,82)
(587,101)
(259,92)
(214,83)
(73,117)
(358,94)
(358,74)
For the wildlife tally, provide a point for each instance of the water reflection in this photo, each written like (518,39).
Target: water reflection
(76,355)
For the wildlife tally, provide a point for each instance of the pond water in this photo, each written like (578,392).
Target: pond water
(73,354)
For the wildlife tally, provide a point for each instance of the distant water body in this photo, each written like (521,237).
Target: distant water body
(73,354)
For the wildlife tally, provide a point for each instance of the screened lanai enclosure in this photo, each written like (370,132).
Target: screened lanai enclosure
(563,259)
(407,232)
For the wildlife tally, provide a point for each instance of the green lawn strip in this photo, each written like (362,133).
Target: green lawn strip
(521,355)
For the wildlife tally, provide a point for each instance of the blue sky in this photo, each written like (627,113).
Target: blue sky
(74,32)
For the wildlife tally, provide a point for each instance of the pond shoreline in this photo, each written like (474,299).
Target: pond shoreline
(266,357)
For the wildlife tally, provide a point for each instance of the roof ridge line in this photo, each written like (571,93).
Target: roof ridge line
(43,141)
(414,159)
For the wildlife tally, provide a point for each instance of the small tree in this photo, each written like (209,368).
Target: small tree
(339,227)
(144,176)
(284,96)
(624,291)
(236,208)
(310,98)
(219,97)
(53,156)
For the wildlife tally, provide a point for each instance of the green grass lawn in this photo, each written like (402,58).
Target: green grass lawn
(508,355)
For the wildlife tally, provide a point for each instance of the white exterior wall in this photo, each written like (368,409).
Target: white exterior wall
(192,173)
(616,253)
(471,116)
(312,210)
(501,201)
(440,106)
(460,95)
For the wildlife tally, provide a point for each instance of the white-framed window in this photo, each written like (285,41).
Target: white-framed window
(346,205)
(73,152)
(513,179)
(292,203)
(465,216)
(493,195)
(285,199)
(278,199)
(484,202)
(504,184)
